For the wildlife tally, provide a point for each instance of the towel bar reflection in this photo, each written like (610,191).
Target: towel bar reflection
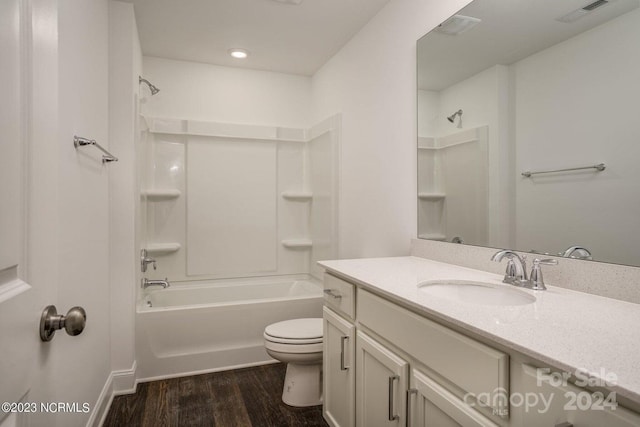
(599,167)
(79,141)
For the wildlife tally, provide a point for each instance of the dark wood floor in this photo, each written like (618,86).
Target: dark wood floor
(242,397)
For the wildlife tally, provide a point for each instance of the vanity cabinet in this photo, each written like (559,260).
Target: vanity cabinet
(371,350)
(381,384)
(385,365)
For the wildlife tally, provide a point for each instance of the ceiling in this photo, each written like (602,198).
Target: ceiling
(294,39)
(509,31)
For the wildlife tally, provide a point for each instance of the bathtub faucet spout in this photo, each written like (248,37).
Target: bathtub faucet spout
(146,283)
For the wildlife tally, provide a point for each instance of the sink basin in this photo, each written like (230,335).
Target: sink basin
(476,292)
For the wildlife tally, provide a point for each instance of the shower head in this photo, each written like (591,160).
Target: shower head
(452,117)
(152,87)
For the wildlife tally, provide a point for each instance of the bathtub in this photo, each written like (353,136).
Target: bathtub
(198,327)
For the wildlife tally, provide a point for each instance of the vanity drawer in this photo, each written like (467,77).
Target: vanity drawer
(569,404)
(339,295)
(470,365)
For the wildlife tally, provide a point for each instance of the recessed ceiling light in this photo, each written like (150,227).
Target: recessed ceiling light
(238,53)
(295,2)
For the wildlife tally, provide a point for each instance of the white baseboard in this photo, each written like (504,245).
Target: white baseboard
(205,371)
(118,382)
(124,382)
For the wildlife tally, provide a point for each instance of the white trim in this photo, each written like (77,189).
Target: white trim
(102,405)
(205,371)
(118,382)
(124,381)
(12,288)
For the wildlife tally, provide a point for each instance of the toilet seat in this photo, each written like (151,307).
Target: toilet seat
(294,336)
(291,340)
(296,329)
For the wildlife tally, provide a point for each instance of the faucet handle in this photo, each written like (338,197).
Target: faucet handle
(536,279)
(145,259)
(510,272)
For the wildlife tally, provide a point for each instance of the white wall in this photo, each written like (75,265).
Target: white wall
(372,82)
(81,364)
(190,90)
(125,60)
(593,118)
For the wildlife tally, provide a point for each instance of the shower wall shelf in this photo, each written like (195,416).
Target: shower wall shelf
(450,145)
(429,236)
(297,243)
(163,248)
(161,194)
(300,196)
(225,130)
(432,196)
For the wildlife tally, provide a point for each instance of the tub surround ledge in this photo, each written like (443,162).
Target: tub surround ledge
(565,329)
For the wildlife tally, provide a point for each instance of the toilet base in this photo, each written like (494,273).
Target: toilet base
(303,385)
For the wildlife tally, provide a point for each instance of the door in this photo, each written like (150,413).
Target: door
(21,299)
(338,370)
(381,384)
(431,405)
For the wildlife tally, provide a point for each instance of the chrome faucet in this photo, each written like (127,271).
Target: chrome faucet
(516,273)
(516,266)
(146,283)
(145,260)
(579,251)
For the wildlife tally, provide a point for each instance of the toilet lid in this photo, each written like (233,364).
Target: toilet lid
(296,329)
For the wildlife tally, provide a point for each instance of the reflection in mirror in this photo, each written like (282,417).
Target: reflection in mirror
(528,128)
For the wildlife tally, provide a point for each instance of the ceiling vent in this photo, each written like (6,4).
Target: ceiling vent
(579,13)
(457,24)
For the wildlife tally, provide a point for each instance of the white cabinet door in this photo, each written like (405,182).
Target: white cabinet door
(431,405)
(339,370)
(381,384)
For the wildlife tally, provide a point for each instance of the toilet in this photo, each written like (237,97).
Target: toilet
(298,343)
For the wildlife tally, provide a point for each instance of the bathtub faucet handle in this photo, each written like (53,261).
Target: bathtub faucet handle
(145,260)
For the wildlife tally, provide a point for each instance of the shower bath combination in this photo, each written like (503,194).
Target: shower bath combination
(452,118)
(152,87)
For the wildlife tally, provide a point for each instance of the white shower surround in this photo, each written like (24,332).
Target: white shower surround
(212,317)
(300,186)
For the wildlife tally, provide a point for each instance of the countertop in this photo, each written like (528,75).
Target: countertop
(565,329)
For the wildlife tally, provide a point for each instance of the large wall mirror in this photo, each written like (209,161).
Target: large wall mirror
(529,128)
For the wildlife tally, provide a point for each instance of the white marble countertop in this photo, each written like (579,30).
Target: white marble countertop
(565,329)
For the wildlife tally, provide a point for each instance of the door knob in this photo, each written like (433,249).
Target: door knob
(50,321)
